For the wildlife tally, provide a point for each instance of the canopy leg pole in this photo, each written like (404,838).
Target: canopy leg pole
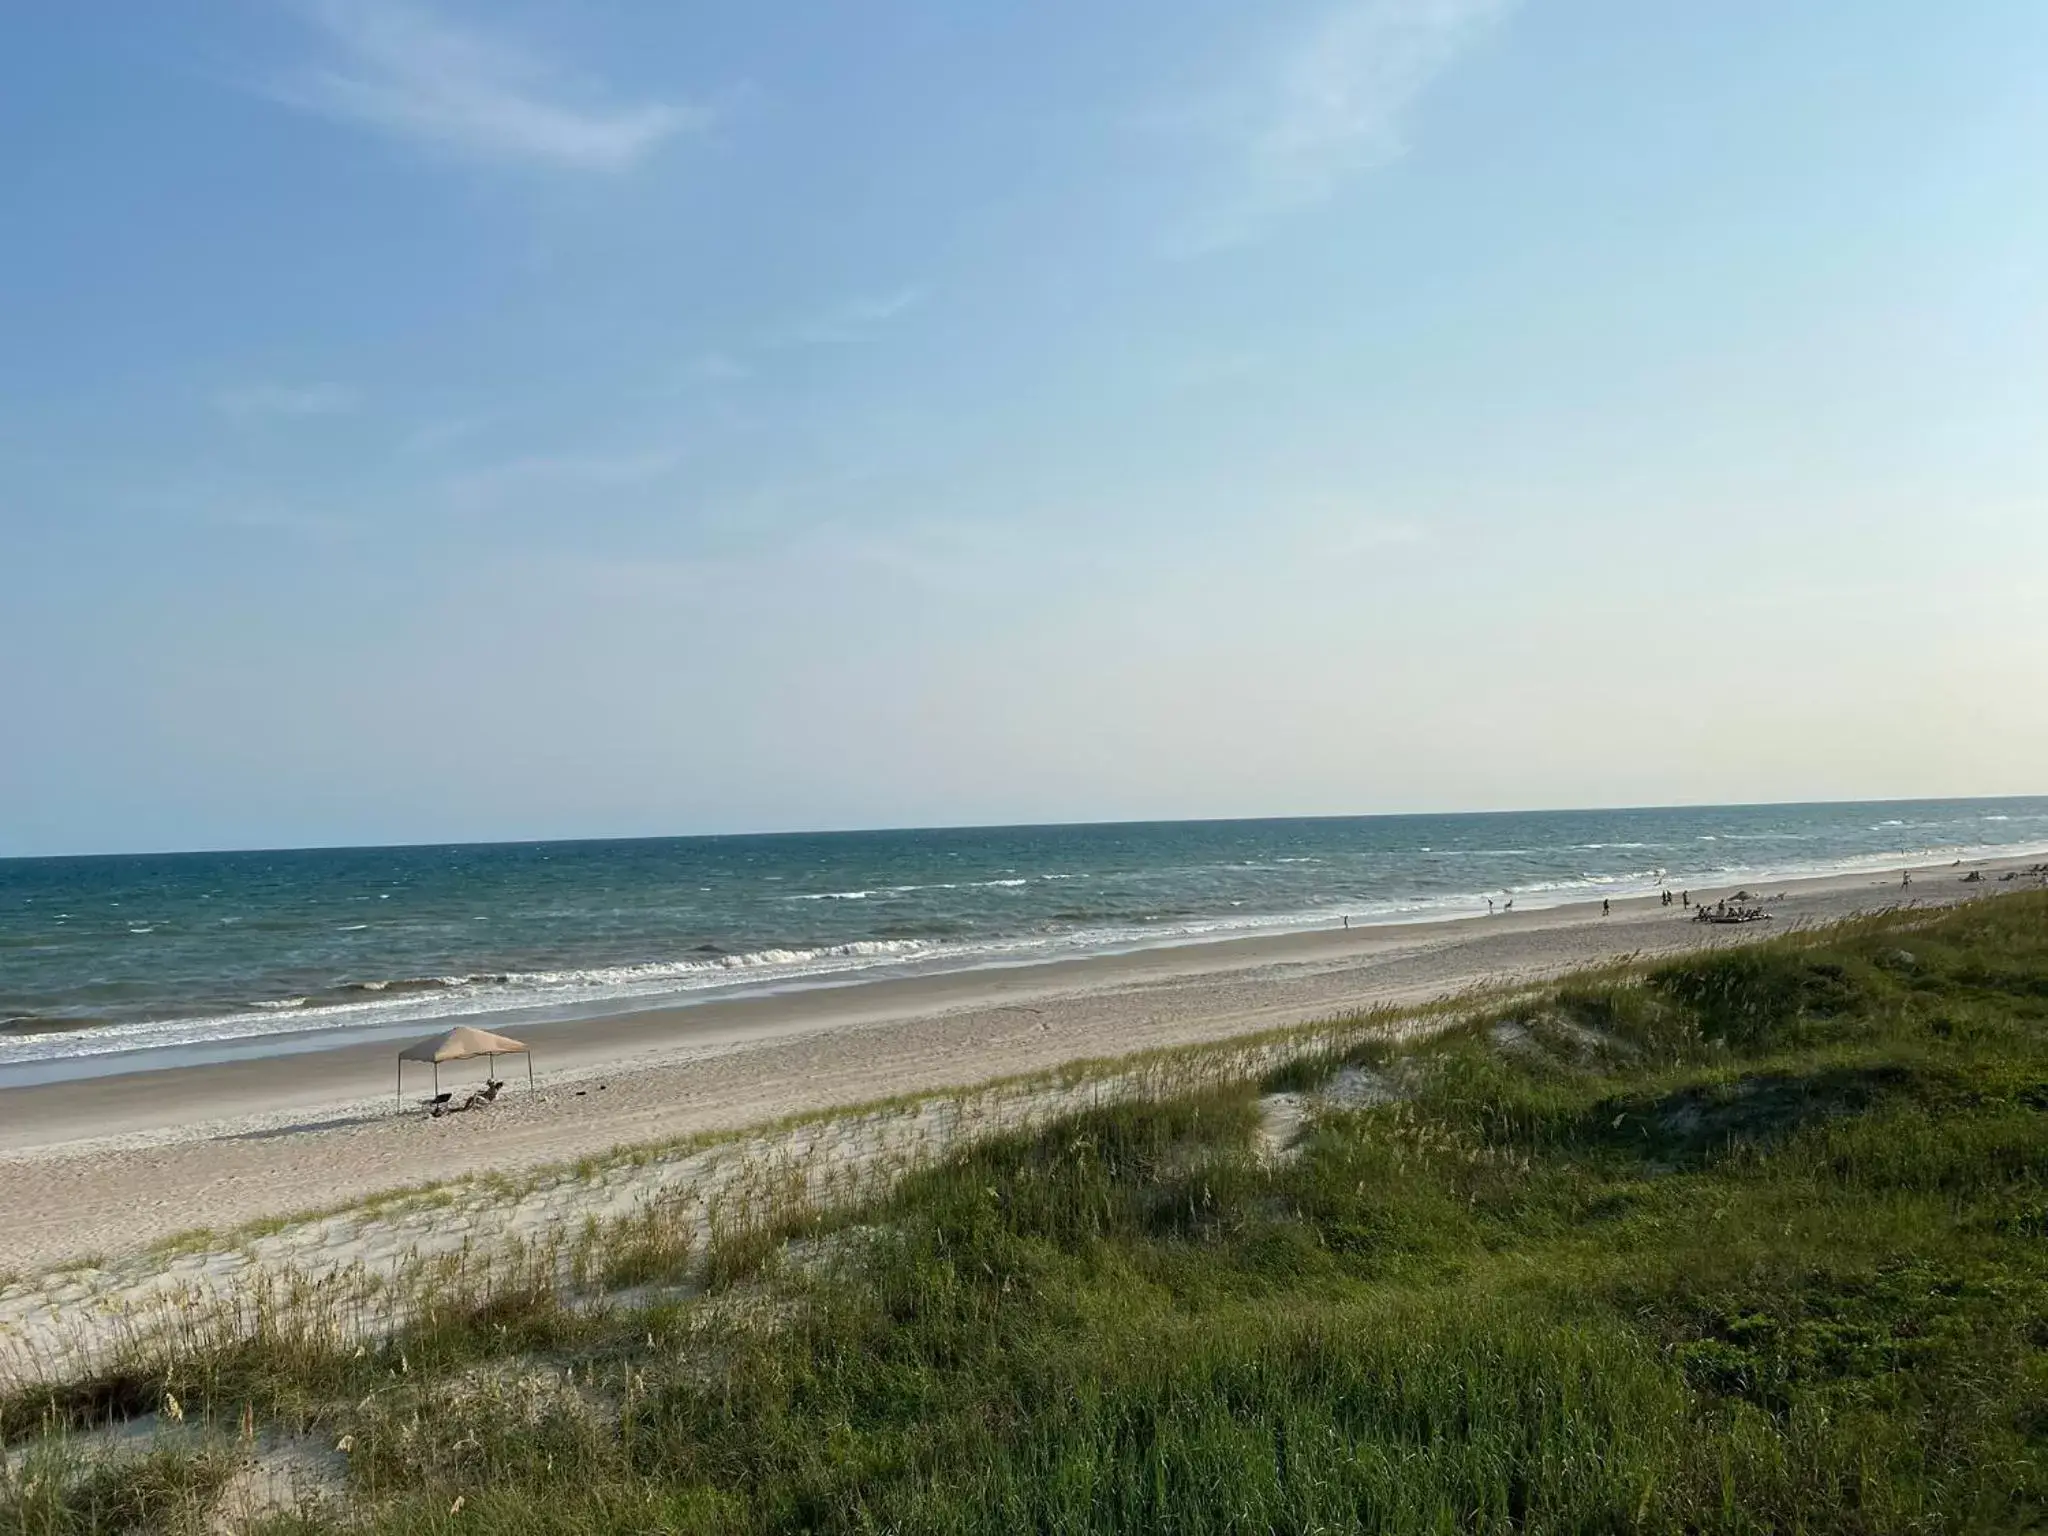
(401,1082)
(529,1071)
(437,1079)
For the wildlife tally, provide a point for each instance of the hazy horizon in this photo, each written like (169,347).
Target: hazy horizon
(1017,826)
(425,421)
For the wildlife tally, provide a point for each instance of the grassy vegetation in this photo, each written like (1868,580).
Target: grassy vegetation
(1752,1241)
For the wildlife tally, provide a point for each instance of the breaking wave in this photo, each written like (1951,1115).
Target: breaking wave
(397,1000)
(611,928)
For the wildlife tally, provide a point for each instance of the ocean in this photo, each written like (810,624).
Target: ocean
(145,960)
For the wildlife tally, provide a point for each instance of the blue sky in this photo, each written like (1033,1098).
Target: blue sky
(450,420)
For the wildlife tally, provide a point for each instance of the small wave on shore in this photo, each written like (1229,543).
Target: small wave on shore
(242,949)
(372,1003)
(46,1024)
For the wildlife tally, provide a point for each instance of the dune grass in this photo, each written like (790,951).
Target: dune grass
(1755,1240)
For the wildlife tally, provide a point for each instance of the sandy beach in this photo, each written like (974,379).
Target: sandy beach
(110,1165)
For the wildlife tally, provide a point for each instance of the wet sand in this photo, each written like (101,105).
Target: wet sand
(108,1165)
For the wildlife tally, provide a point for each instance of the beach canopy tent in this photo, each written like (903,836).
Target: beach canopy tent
(459,1044)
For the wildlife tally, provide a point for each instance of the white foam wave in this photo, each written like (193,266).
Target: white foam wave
(381,1002)
(587,990)
(934,885)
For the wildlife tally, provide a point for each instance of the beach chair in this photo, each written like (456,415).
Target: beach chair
(478,1098)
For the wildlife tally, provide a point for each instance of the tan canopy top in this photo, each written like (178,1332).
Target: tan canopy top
(460,1042)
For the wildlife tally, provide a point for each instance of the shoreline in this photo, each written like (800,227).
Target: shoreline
(327,1032)
(107,1164)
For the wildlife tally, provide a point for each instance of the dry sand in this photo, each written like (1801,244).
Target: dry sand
(111,1165)
(77,1218)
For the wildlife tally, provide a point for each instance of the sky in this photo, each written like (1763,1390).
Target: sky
(429,420)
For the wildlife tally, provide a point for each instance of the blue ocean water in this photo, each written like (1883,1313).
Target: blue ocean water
(120,954)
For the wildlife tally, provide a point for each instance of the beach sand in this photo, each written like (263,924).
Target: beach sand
(110,1165)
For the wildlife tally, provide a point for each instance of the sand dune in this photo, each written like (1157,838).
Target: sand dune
(109,1166)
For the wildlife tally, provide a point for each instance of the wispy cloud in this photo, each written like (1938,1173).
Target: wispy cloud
(534,474)
(1366,537)
(256,402)
(1331,103)
(1210,369)
(850,319)
(714,368)
(1322,528)
(443,433)
(292,521)
(225,503)
(402,70)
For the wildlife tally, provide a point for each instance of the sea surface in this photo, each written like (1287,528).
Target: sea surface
(190,956)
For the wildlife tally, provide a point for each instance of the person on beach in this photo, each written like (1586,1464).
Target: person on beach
(1489,906)
(1605,909)
(1905,878)
(1685,899)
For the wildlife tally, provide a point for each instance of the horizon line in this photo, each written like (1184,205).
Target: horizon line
(992,826)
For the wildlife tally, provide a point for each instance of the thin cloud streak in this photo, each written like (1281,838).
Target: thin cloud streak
(284,520)
(405,72)
(558,473)
(1333,104)
(851,319)
(714,368)
(255,402)
(1369,537)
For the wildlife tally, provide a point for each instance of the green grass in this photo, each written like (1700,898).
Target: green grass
(1756,1240)
(56,1490)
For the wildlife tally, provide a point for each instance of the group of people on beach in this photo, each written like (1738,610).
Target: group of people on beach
(1722,912)
(1742,907)
(1606,905)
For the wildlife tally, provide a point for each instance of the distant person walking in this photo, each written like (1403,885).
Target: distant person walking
(1489,906)
(1685,899)
(1605,909)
